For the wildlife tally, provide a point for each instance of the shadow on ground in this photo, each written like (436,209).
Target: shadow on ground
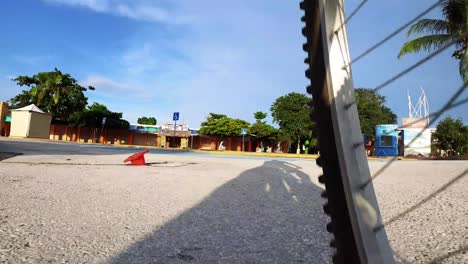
(69,148)
(7,155)
(269,214)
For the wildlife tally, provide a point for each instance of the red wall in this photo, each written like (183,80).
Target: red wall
(126,137)
(109,136)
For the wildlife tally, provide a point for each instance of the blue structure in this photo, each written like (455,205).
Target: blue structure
(144,128)
(386,140)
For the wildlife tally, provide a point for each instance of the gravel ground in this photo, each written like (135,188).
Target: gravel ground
(425,209)
(61,208)
(198,210)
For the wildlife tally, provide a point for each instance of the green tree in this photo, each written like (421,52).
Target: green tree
(264,131)
(259,116)
(261,130)
(93,115)
(439,32)
(292,112)
(55,92)
(147,121)
(222,125)
(452,136)
(372,111)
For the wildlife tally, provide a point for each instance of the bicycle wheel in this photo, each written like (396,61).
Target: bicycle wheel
(359,236)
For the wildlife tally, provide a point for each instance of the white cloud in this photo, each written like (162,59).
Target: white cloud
(145,10)
(109,88)
(106,84)
(242,60)
(139,60)
(234,57)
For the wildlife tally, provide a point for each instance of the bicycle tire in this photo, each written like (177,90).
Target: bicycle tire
(355,240)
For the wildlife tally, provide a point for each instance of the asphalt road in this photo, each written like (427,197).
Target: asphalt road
(62,202)
(39,147)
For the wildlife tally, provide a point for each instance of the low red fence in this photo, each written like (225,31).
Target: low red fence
(126,137)
(106,136)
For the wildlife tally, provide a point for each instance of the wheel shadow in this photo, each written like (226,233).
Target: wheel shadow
(269,214)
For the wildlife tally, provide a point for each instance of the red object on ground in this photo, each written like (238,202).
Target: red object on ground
(137,158)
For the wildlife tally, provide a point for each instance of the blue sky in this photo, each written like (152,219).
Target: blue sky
(154,57)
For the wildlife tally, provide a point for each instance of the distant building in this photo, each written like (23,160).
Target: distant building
(178,127)
(416,141)
(30,122)
(5,119)
(174,138)
(144,128)
(386,140)
(415,135)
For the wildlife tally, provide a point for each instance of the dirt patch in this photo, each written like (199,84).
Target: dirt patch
(461,157)
(7,155)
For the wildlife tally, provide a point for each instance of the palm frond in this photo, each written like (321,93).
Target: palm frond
(34,91)
(455,11)
(463,67)
(426,43)
(41,94)
(56,96)
(433,26)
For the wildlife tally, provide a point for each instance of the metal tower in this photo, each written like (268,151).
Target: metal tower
(421,108)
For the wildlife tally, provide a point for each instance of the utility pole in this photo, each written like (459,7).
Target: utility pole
(243,137)
(175,117)
(173,138)
(243,132)
(104,119)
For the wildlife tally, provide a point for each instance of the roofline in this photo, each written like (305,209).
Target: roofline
(29,111)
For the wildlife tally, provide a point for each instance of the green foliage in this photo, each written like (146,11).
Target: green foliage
(292,113)
(264,131)
(259,116)
(426,43)
(434,26)
(55,92)
(222,125)
(261,130)
(147,121)
(93,115)
(438,32)
(452,136)
(372,111)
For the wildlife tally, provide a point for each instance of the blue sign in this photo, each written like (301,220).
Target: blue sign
(175,117)
(104,119)
(244,131)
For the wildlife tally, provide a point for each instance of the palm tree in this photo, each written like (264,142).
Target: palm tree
(49,86)
(55,92)
(440,32)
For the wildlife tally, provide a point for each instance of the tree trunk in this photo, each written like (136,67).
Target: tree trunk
(298,151)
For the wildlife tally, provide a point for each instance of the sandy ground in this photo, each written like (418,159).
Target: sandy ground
(63,203)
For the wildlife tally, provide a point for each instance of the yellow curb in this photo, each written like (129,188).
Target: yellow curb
(255,154)
(285,155)
(391,158)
